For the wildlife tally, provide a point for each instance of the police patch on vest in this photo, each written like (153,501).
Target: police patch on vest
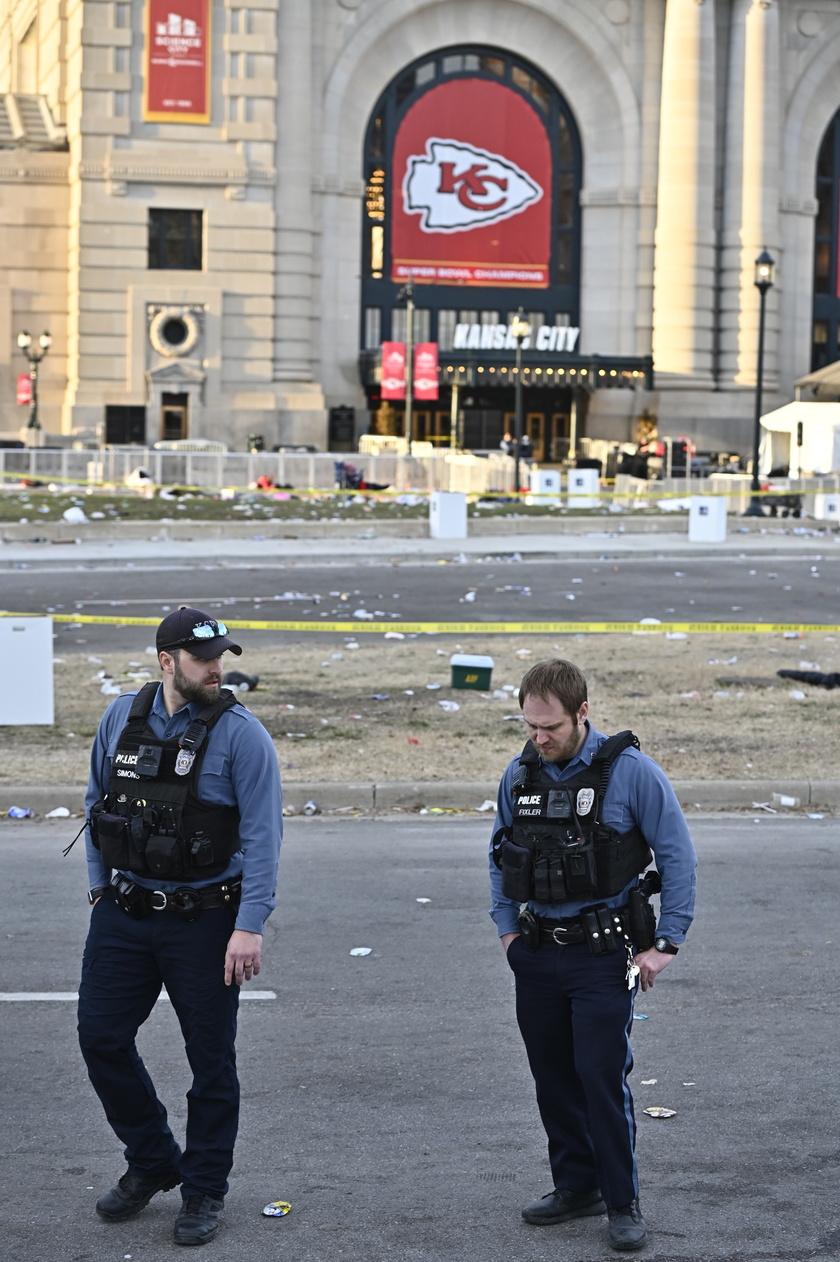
(585,798)
(184,762)
(532,799)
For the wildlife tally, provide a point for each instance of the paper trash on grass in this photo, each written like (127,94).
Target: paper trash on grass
(449,706)
(796,694)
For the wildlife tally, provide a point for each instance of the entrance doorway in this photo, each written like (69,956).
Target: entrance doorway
(174,417)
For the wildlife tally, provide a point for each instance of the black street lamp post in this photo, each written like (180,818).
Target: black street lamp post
(765,274)
(34,355)
(521,330)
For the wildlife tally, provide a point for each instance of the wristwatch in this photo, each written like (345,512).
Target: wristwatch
(664,947)
(97,893)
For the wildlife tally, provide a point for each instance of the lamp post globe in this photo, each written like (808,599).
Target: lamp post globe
(763,279)
(34,355)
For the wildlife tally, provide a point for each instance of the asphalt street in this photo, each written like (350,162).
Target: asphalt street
(751,589)
(387,1097)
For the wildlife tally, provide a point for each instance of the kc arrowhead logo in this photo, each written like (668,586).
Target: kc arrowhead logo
(456,187)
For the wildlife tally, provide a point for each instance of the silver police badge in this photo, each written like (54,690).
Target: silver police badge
(184,761)
(585,798)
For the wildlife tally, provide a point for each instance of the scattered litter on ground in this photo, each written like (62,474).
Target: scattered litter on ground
(815,815)
(764,806)
(277,1209)
(648,1082)
(487,805)
(422,900)
(311,807)
(640,1016)
(19,812)
(449,706)
(657,1111)
(797,694)
(60,812)
(784,799)
(361,950)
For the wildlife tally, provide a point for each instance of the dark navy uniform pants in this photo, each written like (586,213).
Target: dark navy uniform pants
(575,1012)
(125,963)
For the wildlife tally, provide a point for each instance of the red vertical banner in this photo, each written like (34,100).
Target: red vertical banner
(393,370)
(24,389)
(176,74)
(426,370)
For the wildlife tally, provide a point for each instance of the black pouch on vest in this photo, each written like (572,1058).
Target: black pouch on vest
(542,878)
(110,835)
(641,920)
(581,873)
(162,854)
(556,878)
(516,872)
(201,853)
(599,929)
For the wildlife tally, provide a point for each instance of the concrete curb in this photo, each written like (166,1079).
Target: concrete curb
(453,795)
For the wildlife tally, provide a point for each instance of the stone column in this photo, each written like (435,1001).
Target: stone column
(759,182)
(729,310)
(293,196)
(684,266)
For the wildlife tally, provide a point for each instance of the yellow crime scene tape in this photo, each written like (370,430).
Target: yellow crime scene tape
(466,628)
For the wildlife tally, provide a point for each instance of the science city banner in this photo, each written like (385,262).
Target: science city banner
(176,72)
(471,190)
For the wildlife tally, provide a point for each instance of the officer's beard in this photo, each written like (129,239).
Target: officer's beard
(192,691)
(562,751)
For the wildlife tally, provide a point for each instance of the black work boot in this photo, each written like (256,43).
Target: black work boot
(561,1205)
(199,1219)
(133,1193)
(628,1230)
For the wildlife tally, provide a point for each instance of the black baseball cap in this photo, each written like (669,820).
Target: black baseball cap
(197,632)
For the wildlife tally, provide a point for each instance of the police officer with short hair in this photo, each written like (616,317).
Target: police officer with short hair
(185,820)
(578,816)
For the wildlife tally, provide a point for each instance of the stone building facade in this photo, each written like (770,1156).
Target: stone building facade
(221,278)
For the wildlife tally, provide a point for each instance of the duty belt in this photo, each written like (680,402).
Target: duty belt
(188,901)
(568,932)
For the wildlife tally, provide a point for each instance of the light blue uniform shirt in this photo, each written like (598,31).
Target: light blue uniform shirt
(239,768)
(638,793)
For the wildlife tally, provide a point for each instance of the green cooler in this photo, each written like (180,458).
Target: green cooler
(469,671)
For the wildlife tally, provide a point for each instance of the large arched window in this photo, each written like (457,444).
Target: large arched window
(472,169)
(825,341)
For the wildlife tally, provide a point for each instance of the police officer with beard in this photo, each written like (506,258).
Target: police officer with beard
(184,818)
(578,816)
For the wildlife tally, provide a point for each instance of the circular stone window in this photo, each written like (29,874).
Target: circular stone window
(174,331)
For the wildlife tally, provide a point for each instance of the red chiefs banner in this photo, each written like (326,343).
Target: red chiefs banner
(177,62)
(24,389)
(393,370)
(425,379)
(471,189)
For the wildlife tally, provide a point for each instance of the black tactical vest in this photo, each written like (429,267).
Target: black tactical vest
(557,850)
(152,821)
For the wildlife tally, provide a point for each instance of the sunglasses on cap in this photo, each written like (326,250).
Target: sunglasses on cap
(204,631)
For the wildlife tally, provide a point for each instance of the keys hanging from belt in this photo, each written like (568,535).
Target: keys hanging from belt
(633,969)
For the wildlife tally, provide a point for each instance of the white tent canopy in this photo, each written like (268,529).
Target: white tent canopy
(820,434)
